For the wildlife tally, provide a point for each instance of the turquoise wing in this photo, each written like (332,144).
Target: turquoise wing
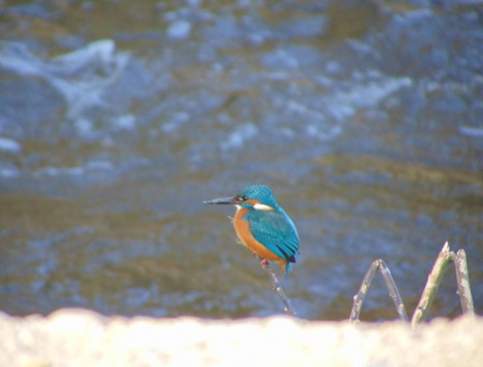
(276,231)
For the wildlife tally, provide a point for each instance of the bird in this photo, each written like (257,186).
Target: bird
(263,226)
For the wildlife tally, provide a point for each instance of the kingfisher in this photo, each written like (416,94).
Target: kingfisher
(263,226)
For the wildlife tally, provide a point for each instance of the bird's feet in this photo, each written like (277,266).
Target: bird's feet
(264,263)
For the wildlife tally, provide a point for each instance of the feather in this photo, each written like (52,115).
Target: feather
(276,231)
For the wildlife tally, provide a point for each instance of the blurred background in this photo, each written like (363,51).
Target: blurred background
(118,118)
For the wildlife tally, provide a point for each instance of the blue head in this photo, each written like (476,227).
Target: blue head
(260,195)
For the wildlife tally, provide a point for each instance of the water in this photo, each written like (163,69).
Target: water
(118,120)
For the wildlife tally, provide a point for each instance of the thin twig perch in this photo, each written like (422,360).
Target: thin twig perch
(278,288)
(391,287)
(463,280)
(432,284)
(435,277)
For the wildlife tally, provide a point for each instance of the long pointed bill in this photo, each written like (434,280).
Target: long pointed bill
(227,200)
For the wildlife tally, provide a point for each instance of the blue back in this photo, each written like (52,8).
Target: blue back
(274,229)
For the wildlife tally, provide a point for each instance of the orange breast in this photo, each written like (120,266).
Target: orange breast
(242,229)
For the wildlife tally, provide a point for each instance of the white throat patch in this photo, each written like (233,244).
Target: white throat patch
(264,207)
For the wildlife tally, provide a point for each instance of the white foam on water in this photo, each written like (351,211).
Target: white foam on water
(59,171)
(179,29)
(82,77)
(239,136)
(84,127)
(89,167)
(125,122)
(174,123)
(471,131)
(342,105)
(9,172)
(9,145)
(324,122)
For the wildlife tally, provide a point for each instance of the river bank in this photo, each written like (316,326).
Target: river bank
(78,337)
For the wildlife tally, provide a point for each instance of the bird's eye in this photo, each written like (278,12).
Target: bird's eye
(241,198)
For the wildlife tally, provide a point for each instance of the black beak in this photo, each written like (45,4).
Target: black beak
(227,200)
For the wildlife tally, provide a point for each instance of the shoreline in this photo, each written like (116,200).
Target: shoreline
(80,337)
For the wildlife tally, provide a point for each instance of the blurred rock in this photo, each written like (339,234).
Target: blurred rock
(76,337)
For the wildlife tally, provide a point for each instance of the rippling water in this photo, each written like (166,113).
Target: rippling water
(118,120)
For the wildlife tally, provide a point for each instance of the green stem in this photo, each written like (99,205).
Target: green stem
(432,285)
